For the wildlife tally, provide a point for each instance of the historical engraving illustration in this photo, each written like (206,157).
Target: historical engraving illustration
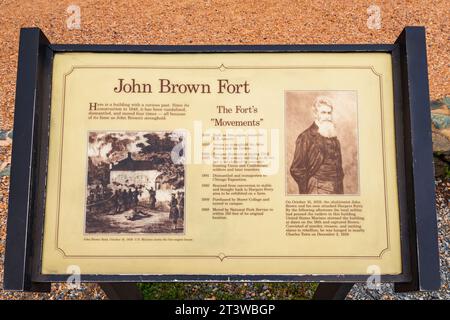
(135,182)
(321,137)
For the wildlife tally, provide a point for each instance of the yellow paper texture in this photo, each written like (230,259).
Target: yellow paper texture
(239,244)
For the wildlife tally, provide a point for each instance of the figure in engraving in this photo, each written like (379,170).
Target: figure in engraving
(174,212)
(181,204)
(317,163)
(118,202)
(152,194)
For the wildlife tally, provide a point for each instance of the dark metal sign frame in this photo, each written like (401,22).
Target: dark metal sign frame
(419,248)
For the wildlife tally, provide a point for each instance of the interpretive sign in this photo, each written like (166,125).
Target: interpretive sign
(224,163)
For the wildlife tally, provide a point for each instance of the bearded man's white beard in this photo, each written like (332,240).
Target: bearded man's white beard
(326,128)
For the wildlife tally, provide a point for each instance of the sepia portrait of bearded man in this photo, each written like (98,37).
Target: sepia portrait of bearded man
(317,163)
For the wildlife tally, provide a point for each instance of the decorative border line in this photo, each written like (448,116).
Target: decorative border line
(222,67)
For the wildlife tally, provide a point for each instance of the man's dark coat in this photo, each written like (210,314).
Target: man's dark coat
(317,157)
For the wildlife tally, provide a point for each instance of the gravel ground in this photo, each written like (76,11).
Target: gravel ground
(58,292)
(386,291)
(216,22)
